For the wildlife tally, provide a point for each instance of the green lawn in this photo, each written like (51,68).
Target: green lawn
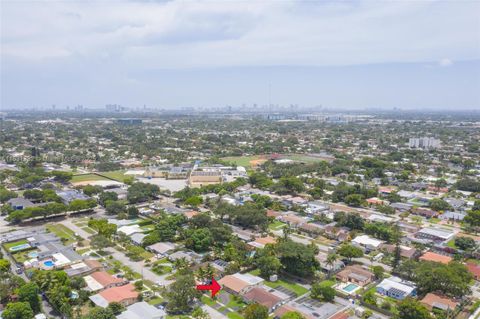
(276,225)
(451,244)
(89,230)
(15,243)
(87,178)
(62,232)
(208,301)
(155,301)
(255,272)
(22,256)
(303,158)
(297,289)
(234,303)
(116,175)
(234,315)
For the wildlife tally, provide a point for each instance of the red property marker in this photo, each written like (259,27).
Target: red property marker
(214,287)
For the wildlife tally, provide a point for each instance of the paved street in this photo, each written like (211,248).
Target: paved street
(135,266)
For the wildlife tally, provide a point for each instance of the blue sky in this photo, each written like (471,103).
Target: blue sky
(350,54)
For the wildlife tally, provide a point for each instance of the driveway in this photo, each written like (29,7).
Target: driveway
(134,265)
(214,314)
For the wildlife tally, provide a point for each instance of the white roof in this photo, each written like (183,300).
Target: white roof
(142,310)
(367,241)
(379,217)
(438,232)
(395,282)
(248,278)
(99,300)
(162,248)
(60,259)
(92,284)
(130,229)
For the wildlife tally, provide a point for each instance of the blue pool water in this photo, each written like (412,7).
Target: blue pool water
(19,247)
(49,263)
(350,287)
(33,254)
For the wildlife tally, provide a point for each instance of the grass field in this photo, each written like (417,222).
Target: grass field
(87,178)
(15,243)
(245,160)
(297,289)
(276,225)
(62,232)
(116,175)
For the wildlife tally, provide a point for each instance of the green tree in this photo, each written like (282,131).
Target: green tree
(438,204)
(4,265)
(182,293)
(30,293)
(323,291)
(378,271)
(199,239)
(100,313)
(350,251)
(18,310)
(194,201)
(465,243)
(410,308)
(473,219)
(268,265)
(199,313)
(255,311)
(355,200)
(298,259)
(116,307)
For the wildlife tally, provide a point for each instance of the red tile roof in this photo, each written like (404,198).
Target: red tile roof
(119,294)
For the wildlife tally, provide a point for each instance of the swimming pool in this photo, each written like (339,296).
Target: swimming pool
(19,247)
(33,254)
(49,263)
(350,287)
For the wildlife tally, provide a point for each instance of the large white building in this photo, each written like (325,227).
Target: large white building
(424,142)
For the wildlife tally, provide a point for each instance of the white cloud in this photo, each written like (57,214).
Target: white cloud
(445,62)
(183,34)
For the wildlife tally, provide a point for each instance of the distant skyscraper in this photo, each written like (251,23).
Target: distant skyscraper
(424,142)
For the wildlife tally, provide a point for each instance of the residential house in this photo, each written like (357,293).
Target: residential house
(265,296)
(425,212)
(260,242)
(19,203)
(340,234)
(402,207)
(435,301)
(70,195)
(474,269)
(356,274)
(125,295)
(239,283)
(142,310)
(367,242)
(435,234)
(405,251)
(162,248)
(102,280)
(396,288)
(431,256)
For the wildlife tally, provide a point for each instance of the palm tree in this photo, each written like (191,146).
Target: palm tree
(331,259)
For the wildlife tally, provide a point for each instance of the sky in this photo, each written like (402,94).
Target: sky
(168,54)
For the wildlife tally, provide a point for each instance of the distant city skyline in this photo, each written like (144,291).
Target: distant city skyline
(349,54)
